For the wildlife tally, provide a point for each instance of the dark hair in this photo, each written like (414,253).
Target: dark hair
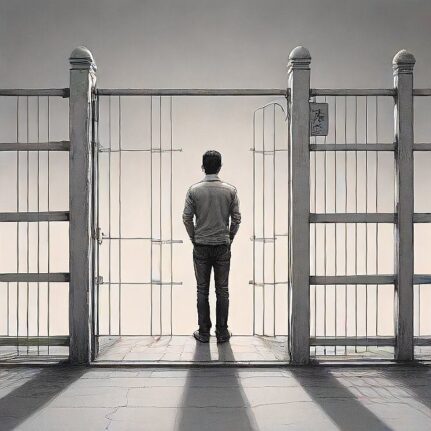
(211,162)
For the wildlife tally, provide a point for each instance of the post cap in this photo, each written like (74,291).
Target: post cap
(403,62)
(299,58)
(81,58)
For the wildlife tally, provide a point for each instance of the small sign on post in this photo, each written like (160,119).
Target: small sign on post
(318,119)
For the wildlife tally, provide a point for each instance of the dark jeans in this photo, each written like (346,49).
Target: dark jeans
(206,257)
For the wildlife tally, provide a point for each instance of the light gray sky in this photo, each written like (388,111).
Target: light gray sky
(214,43)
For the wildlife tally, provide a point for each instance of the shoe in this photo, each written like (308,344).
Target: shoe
(203,337)
(224,336)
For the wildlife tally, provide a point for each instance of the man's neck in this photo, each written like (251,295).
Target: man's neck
(211,177)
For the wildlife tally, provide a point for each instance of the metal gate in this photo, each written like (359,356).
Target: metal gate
(151,150)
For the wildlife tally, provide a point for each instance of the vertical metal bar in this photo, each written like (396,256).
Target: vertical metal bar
(49,224)
(335,225)
(254,223)
(366,224)
(315,239)
(289,229)
(345,224)
(38,226)
(325,261)
(151,215)
(96,223)
(299,83)
(119,216)
(109,216)
(377,210)
(263,221)
(403,64)
(17,224)
(28,224)
(419,310)
(273,221)
(82,82)
(160,219)
(171,209)
(356,225)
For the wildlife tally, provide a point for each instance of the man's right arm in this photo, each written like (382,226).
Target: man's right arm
(188,214)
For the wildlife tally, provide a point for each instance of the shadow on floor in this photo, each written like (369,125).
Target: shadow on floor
(415,380)
(38,389)
(336,401)
(213,399)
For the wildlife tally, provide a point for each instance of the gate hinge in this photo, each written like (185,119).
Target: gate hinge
(98,235)
(99,279)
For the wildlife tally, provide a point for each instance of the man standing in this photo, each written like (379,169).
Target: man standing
(212,202)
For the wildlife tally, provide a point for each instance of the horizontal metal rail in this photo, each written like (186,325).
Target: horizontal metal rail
(34,216)
(422,217)
(269,152)
(365,279)
(166,241)
(366,147)
(352,147)
(142,150)
(352,218)
(352,92)
(267,239)
(352,279)
(192,92)
(34,277)
(267,283)
(142,238)
(422,279)
(422,341)
(58,340)
(35,146)
(352,341)
(145,283)
(365,217)
(422,92)
(62,92)
(422,147)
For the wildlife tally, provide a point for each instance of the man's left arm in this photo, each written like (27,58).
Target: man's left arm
(188,214)
(235,217)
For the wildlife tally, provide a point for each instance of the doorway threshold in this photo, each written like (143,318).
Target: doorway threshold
(184,351)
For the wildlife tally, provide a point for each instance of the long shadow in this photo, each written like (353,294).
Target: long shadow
(213,399)
(348,413)
(23,401)
(416,379)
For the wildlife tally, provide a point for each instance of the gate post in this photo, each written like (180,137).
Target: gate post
(82,83)
(299,84)
(403,64)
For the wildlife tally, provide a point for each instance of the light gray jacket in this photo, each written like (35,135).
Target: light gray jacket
(212,202)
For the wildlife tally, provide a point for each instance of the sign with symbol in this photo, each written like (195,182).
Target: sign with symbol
(318,119)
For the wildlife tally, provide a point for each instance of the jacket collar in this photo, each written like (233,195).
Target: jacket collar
(211,177)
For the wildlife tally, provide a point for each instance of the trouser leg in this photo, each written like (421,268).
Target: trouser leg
(202,266)
(221,278)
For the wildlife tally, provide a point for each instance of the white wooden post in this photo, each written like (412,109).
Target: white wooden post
(299,84)
(403,64)
(82,82)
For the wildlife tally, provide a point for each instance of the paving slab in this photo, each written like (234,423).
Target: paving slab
(215,399)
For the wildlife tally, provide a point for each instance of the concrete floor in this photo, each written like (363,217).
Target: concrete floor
(207,399)
(186,349)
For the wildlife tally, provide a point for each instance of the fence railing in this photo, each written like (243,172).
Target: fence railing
(340,215)
(28,281)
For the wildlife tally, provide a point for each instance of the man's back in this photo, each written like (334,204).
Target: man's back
(212,201)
